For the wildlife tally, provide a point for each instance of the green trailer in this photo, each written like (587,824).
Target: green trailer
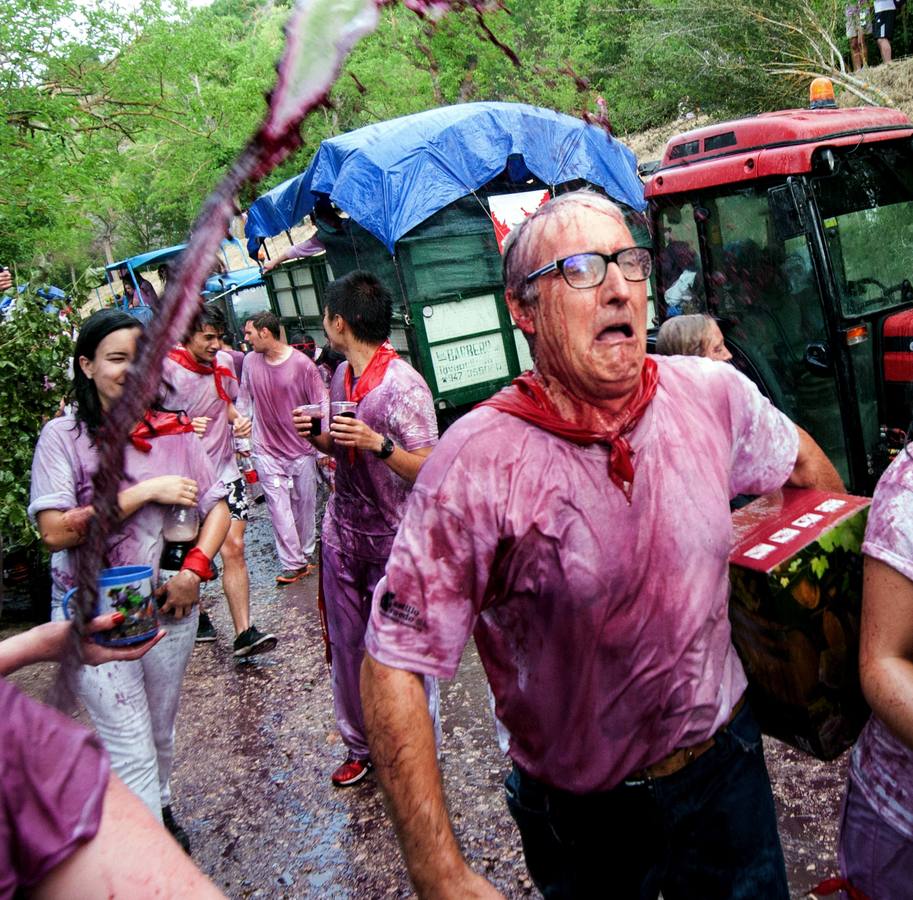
(296,290)
(449,311)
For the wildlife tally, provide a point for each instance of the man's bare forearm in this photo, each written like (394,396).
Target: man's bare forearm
(402,748)
(813,469)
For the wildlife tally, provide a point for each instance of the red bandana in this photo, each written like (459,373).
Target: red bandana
(526,399)
(373,374)
(157,424)
(185,358)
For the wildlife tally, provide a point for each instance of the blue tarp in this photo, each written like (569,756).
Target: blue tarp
(391,176)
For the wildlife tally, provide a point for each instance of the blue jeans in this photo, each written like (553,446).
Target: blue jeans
(708,831)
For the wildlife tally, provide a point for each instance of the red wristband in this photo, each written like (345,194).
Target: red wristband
(199,563)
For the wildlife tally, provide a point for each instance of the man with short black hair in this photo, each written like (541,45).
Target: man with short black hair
(577,525)
(275,381)
(199,378)
(379,451)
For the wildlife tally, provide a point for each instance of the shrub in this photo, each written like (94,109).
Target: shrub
(35,349)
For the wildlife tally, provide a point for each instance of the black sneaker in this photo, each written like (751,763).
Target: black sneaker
(252,641)
(205,630)
(175,830)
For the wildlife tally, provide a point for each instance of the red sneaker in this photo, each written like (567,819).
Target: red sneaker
(290,576)
(351,772)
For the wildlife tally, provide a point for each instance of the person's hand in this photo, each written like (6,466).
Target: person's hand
(243,426)
(270,264)
(171,490)
(6,280)
(96,655)
(472,886)
(302,423)
(78,518)
(349,432)
(200,423)
(181,593)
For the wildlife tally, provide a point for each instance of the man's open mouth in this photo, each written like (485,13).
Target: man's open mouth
(615,331)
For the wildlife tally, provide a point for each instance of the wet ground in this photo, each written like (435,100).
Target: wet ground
(256,743)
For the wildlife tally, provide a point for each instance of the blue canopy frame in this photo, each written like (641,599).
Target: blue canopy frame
(391,176)
(224,283)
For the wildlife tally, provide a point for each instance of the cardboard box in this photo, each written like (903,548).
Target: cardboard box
(796,571)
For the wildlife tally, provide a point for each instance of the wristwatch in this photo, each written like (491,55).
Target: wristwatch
(386,448)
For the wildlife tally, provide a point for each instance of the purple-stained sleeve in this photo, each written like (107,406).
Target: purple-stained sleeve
(200,469)
(231,385)
(53,781)
(765,442)
(243,403)
(889,533)
(314,388)
(53,485)
(426,606)
(311,247)
(412,417)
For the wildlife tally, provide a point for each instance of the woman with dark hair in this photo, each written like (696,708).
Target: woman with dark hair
(133,704)
(328,362)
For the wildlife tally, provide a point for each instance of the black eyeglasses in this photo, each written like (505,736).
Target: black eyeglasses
(586,270)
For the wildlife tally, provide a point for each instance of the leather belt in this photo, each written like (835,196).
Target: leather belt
(678,759)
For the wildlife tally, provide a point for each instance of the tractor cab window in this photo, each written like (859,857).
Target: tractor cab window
(765,293)
(678,262)
(866,208)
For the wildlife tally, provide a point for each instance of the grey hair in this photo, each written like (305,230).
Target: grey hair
(683,335)
(517,260)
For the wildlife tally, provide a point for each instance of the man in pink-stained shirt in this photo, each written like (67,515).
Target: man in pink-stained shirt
(378,454)
(200,379)
(577,526)
(276,380)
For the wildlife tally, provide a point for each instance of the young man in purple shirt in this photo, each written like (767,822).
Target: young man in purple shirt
(199,378)
(276,380)
(378,454)
(578,527)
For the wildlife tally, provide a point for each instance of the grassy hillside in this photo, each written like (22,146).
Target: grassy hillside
(891,84)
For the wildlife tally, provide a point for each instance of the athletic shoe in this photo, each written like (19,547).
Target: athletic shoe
(249,642)
(351,772)
(290,576)
(206,633)
(176,831)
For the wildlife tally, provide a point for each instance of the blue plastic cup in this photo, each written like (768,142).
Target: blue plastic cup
(127,590)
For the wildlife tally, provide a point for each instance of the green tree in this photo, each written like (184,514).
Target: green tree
(34,352)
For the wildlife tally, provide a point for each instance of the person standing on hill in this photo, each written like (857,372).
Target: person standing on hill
(885,19)
(276,380)
(858,25)
(199,379)
(378,454)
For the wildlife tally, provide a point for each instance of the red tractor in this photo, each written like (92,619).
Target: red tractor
(795,230)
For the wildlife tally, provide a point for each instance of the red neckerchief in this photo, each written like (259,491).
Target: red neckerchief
(373,374)
(526,399)
(185,358)
(157,424)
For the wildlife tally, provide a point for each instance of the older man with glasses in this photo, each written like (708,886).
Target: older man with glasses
(577,525)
